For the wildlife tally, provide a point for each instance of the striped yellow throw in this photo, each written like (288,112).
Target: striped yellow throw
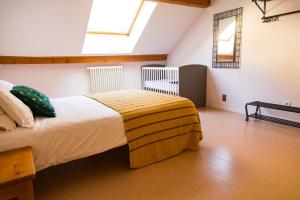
(157,126)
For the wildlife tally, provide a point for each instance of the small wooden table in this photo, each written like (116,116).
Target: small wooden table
(16,174)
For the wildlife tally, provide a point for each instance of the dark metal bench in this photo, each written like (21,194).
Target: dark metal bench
(258,115)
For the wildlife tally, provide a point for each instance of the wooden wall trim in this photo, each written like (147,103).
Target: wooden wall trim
(193,3)
(81,59)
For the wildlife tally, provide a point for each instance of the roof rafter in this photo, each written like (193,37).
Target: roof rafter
(193,3)
(81,59)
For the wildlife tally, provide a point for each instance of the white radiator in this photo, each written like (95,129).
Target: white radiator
(161,79)
(106,78)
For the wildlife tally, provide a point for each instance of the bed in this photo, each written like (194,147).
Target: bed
(84,126)
(74,133)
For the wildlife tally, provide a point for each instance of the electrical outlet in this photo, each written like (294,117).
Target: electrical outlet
(224,97)
(287,103)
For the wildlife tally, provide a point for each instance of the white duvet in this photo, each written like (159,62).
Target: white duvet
(82,127)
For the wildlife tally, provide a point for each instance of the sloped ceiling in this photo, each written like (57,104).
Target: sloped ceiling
(57,27)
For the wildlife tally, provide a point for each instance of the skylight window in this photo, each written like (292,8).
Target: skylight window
(116,40)
(113,17)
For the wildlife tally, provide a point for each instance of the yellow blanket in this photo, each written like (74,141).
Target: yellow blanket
(157,126)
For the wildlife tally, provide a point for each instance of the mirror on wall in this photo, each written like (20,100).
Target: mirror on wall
(227,39)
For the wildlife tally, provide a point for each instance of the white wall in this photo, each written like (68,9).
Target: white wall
(270,64)
(166,26)
(58,28)
(43,27)
(65,79)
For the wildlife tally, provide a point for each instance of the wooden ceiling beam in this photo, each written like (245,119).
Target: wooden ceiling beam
(193,3)
(81,59)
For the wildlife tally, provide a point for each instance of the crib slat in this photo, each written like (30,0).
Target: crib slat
(172,84)
(168,86)
(177,85)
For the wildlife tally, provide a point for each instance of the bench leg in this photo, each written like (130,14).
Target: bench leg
(247,115)
(256,111)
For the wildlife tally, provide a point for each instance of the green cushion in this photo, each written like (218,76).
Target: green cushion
(38,102)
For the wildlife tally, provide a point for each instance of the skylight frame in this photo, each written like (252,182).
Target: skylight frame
(121,33)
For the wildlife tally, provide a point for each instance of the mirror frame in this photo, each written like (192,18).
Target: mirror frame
(238,13)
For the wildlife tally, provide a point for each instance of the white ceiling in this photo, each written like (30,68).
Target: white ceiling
(57,27)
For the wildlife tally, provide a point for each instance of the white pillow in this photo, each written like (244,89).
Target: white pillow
(6,123)
(16,109)
(6,85)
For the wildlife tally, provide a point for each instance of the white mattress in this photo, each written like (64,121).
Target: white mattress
(83,127)
(163,85)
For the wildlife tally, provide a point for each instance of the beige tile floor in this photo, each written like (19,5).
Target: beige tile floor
(237,160)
